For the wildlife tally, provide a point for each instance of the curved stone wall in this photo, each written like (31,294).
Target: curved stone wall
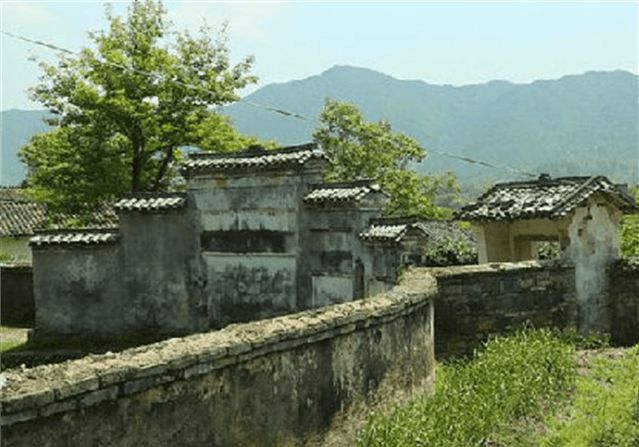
(284,381)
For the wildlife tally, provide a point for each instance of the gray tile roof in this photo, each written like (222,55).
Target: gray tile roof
(88,237)
(151,202)
(543,198)
(21,217)
(395,229)
(252,159)
(346,192)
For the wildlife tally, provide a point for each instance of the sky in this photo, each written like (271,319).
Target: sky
(456,43)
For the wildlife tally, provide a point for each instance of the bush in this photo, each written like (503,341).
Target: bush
(450,251)
(512,377)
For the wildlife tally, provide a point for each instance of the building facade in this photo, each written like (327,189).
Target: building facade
(256,234)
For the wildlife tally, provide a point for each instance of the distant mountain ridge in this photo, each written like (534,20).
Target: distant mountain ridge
(576,125)
(18,126)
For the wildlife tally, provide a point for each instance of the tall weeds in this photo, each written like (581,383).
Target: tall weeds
(510,378)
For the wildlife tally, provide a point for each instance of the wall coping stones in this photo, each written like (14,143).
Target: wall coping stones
(151,202)
(28,393)
(79,237)
(496,268)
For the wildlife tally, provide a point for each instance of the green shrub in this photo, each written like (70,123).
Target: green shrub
(630,231)
(510,378)
(606,407)
(450,251)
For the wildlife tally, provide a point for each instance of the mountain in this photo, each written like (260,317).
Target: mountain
(578,124)
(18,126)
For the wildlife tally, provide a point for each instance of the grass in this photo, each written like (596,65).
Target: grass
(526,390)
(11,338)
(604,409)
(510,379)
(9,345)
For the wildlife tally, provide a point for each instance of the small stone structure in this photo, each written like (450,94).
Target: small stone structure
(256,234)
(581,214)
(20,218)
(283,381)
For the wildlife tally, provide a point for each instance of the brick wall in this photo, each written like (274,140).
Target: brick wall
(474,302)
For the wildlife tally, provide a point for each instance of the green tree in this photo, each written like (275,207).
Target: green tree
(124,107)
(630,231)
(361,149)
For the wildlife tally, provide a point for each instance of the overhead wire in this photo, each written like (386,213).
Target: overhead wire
(251,103)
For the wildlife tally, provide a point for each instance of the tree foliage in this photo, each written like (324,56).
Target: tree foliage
(124,107)
(362,149)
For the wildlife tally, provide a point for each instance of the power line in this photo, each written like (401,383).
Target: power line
(279,111)
(148,73)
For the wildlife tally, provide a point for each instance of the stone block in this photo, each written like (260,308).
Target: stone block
(59,407)
(239,348)
(150,370)
(26,401)
(197,370)
(182,362)
(138,385)
(22,416)
(94,397)
(79,387)
(115,375)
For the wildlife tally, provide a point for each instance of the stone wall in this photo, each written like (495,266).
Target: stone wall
(474,302)
(16,291)
(624,302)
(307,377)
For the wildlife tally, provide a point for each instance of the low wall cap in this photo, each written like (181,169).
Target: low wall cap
(343,192)
(149,202)
(253,159)
(75,237)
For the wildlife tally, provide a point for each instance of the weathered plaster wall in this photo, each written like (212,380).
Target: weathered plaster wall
(16,292)
(285,381)
(150,281)
(594,236)
(162,273)
(513,241)
(341,265)
(474,302)
(252,243)
(228,202)
(247,287)
(624,302)
(102,308)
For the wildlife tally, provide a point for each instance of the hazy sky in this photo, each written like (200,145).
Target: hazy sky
(442,43)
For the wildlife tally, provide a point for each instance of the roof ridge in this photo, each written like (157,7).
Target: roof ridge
(585,185)
(256,151)
(83,230)
(358,182)
(152,194)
